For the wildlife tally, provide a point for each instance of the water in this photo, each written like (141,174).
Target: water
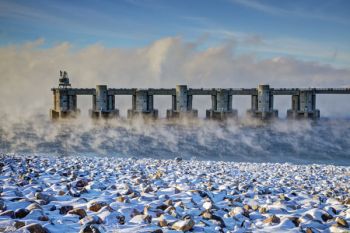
(325,141)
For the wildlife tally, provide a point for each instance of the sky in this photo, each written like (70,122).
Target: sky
(159,43)
(306,29)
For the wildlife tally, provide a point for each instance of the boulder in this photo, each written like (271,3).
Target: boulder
(65,209)
(21,213)
(272,219)
(141,219)
(2,205)
(18,224)
(78,211)
(95,206)
(35,228)
(90,228)
(8,213)
(183,225)
(34,206)
(341,222)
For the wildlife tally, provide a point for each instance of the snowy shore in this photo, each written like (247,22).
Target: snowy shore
(104,194)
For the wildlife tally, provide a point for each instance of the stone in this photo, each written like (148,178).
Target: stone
(43,218)
(121,219)
(18,224)
(120,199)
(81,183)
(341,222)
(35,228)
(262,210)
(44,197)
(325,217)
(141,219)
(162,222)
(272,219)
(78,211)
(183,225)
(21,213)
(34,206)
(91,219)
(295,220)
(61,192)
(65,209)
(2,205)
(90,228)
(8,213)
(95,206)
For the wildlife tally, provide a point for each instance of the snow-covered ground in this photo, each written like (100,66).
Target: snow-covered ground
(106,194)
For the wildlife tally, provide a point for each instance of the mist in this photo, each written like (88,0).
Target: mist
(29,71)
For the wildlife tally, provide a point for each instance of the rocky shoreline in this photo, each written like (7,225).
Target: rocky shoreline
(105,194)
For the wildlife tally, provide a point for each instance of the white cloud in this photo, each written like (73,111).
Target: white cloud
(28,71)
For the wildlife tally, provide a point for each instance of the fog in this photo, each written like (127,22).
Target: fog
(29,71)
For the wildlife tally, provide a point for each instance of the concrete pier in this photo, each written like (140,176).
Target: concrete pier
(142,105)
(181,104)
(65,102)
(262,104)
(103,104)
(221,104)
(304,106)
(262,97)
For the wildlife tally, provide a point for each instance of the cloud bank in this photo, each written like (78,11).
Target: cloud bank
(28,71)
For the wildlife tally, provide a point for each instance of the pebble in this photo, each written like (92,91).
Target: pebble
(103,194)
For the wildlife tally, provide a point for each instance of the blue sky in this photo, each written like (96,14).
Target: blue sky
(317,30)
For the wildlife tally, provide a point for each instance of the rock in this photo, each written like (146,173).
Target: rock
(341,222)
(120,199)
(121,219)
(21,213)
(207,205)
(141,219)
(44,197)
(65,209)
(78,211)
(162,222)
(295,220)
(34,206)
(178,159)
(90,228)
(35,228)
(91,219)
(61,192)
(183,225)
(8,213)
(2,205)
(148,189)
(272,219)
(43,218)
(81,183)
(96,205)
(18,224)
(325,217)
(309,230)
(262,210)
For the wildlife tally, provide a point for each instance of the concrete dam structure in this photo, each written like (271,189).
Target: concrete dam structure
(303,101)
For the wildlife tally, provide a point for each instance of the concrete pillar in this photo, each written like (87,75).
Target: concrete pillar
(181,104)
(65,104)
(221,105)
(262,104)
(304,106)
(103,105)
(142,105)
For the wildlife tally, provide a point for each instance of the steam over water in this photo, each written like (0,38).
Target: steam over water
(324,141)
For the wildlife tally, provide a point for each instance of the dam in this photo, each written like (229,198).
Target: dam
(303,101)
